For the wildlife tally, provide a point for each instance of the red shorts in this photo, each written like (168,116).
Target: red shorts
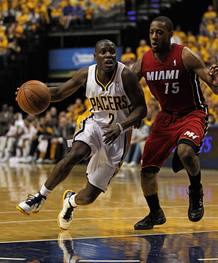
(170,129)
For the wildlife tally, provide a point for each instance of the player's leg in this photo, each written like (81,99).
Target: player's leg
(188,148)
(78,152)
(102,166)
(150,190)
(71,200)
(191,163)
(157,149)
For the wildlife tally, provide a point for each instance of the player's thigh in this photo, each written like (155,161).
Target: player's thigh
(100,171)
(157,148)
(78,152)
(90,134)
(193,130)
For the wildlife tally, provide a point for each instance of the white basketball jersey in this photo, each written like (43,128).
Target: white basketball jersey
(109,103)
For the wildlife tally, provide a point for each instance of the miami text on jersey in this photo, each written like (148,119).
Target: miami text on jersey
(162,74)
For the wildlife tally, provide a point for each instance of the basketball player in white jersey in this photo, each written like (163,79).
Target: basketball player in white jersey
(117,105)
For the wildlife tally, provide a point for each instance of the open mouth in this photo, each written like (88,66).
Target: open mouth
(154,44)
(109,63)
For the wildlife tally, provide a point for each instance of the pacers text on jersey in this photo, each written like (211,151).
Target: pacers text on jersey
(109,103)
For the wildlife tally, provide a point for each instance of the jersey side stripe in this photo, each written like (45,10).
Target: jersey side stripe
(197,92)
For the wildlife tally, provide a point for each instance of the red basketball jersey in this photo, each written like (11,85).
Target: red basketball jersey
(176,89)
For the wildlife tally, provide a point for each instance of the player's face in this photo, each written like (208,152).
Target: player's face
(105,56)
(159,36)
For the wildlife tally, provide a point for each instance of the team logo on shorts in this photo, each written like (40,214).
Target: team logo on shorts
(191,135)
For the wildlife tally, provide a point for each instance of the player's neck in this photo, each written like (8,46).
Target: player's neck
(105,77)
(162,55)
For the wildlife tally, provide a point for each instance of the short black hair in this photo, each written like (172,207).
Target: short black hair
(102,41)
(166,20)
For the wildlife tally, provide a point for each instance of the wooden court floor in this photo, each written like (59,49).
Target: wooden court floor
(108,223)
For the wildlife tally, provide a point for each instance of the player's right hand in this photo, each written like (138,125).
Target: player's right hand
(112,131)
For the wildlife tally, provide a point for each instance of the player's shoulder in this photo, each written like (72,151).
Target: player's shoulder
(187,53)
(128,77)
(126,73)
(177,48)
(148,53)
(80,75)
(83,71)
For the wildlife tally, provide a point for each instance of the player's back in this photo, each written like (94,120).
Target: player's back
(176,89)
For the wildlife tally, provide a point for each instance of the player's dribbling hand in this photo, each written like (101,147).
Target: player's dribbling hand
(213,72)
(16,92)
(112,131)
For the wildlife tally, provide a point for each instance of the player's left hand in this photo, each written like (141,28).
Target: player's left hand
(112,131)
(213,72)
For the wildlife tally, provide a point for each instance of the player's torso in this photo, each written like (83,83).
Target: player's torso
(108,103)
(176,89)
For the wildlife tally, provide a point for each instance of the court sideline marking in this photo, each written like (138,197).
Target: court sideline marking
(111,236)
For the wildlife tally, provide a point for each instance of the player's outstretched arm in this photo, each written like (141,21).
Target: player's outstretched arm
(193,62)
(69,87)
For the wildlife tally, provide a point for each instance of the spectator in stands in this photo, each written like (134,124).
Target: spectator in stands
(64,131)
(47,130)
(179,34)
(128,57)
(210,13)
(6,116)
(53,117)
(88,13)
(142,48)
(3,51)
(22,146)
(55,12)
(16,129)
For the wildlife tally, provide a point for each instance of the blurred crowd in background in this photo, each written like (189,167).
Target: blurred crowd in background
(21,19)
(43,138)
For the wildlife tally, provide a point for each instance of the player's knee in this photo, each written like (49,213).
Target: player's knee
(185,153)
(149,172)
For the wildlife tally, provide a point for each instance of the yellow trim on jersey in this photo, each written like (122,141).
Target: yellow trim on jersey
(81,118)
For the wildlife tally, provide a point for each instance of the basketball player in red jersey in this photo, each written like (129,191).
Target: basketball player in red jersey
(171,72)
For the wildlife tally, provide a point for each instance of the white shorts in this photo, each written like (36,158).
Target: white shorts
(105,159)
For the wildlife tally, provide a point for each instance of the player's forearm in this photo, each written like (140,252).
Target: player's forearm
(55,94)
(63,91)
(135,117)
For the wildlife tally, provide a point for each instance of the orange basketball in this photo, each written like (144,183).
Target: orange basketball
(33,97)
